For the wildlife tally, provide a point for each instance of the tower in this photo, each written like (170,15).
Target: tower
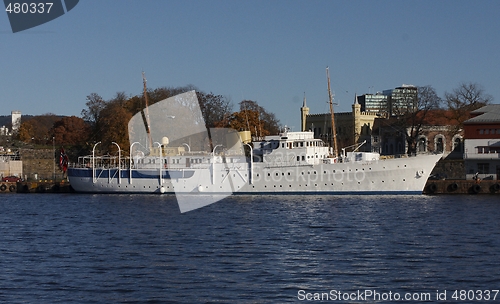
(304,111)
(16,120)
(356,117)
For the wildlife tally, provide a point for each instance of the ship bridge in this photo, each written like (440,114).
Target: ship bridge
(291,148)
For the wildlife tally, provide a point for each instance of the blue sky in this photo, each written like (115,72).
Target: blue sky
(268,51)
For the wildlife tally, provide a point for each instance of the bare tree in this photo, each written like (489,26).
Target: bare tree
(464,99)
(215,108)
(411,122)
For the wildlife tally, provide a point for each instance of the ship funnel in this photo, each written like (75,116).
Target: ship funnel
(246,136)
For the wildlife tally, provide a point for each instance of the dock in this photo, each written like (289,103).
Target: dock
(461,186)
(43,186)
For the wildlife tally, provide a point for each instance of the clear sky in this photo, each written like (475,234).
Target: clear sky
(268,51)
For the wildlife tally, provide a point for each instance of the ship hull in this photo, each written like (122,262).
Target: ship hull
(406,175)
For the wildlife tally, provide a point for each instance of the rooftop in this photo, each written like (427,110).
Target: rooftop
(486,114)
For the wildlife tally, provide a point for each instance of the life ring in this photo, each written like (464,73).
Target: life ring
(3,187)
(495,187)
(453,187)
(432,188)
(475,189)
(12,188)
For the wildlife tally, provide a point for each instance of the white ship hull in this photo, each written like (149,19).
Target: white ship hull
(399,176)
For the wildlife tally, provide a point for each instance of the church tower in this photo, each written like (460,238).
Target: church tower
(356,115)
(304,111)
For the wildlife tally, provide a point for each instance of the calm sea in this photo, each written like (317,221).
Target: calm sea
(67,248)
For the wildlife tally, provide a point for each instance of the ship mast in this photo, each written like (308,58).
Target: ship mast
(333,139)
(146,113)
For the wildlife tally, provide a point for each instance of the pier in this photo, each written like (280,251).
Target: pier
(461,186)
(42,186)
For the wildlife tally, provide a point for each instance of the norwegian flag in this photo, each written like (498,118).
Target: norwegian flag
(63,160)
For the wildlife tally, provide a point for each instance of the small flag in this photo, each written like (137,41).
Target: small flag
(63,160)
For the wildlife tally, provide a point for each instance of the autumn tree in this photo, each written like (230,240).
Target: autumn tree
(253,118)
(95,104)
(113,126)
(465,98)
(267,121)
(70,131)
(37,129)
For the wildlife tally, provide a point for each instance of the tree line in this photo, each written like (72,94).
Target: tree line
(106,121)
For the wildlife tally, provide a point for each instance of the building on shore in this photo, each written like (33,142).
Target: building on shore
(16,120)
(377,119)
(482,143)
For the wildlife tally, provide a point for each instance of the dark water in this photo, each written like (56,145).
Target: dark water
(139,248)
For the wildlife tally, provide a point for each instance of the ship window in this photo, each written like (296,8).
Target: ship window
(303,157)
(283,145)
(298,157)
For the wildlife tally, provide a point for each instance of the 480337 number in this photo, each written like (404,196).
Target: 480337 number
(29,8)
(475,295)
